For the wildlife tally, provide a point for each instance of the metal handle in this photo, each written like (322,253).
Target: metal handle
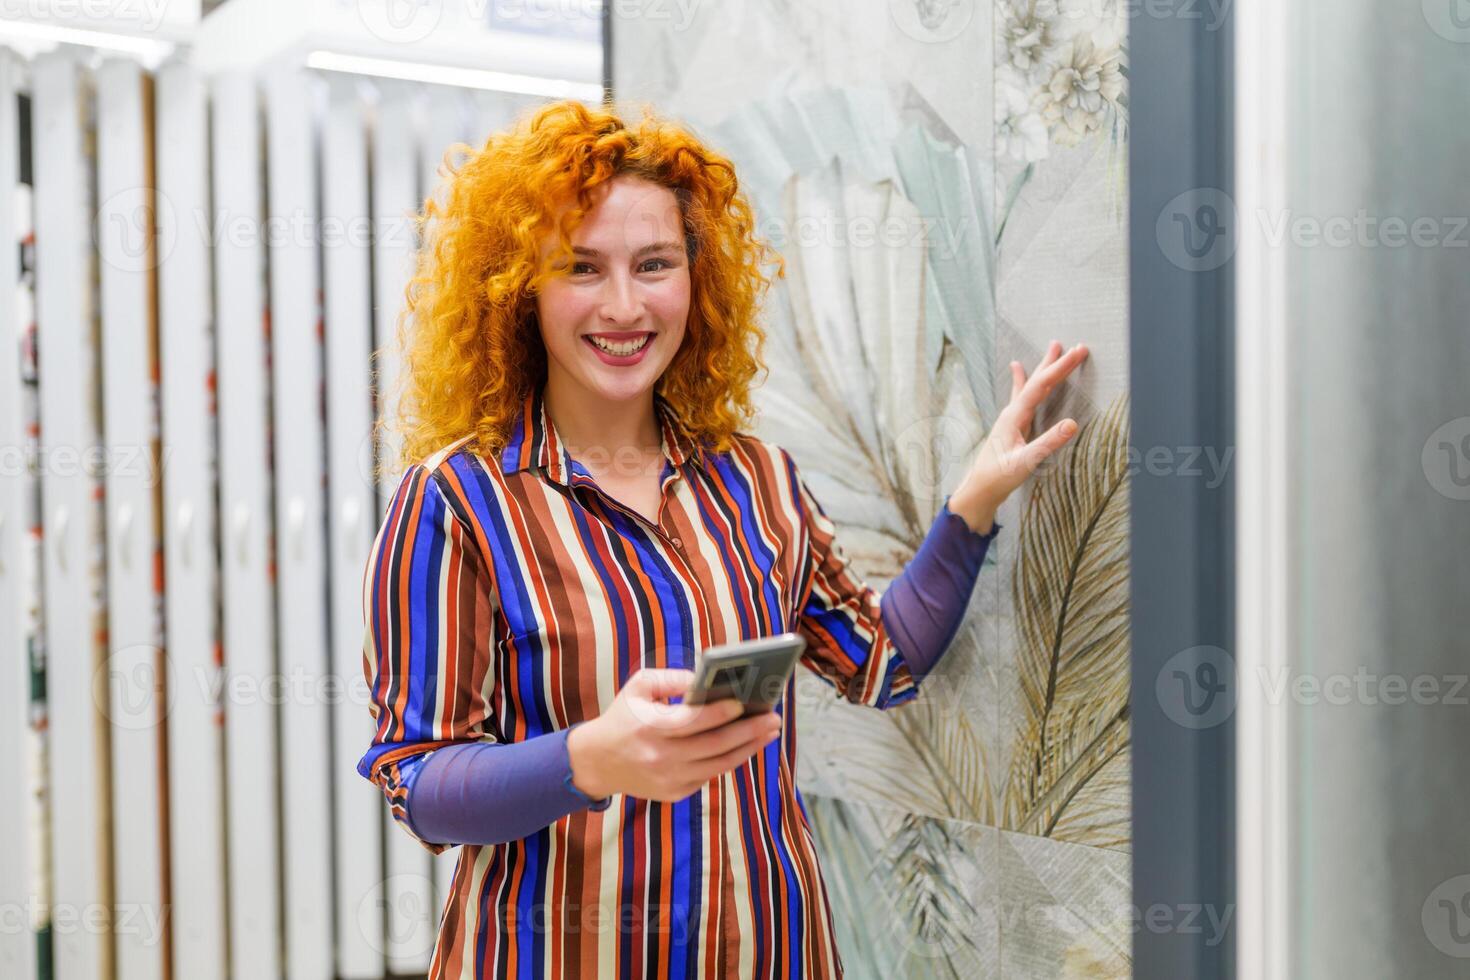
(185,522)
(59,524)
(351,520)
(296,526)
(242,529)
(124,536)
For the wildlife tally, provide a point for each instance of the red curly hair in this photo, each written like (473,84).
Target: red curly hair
(470,350)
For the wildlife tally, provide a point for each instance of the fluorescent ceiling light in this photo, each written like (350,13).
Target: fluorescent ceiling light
(149,51)
(413,71)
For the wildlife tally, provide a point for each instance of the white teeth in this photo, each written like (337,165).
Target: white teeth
(622,350)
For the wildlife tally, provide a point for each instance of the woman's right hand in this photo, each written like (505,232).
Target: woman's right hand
(643,746)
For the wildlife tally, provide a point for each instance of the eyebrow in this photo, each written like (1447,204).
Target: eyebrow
(646,249)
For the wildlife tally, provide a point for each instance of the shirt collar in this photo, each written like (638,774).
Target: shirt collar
(535,443)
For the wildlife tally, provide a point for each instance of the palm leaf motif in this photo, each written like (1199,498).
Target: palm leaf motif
(1069,770)
(847,871)
(936,764)
(880,337)
(902,891)
(937,917)
(852,396)
(879,375)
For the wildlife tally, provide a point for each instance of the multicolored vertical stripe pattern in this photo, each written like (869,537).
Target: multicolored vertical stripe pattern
(510,599)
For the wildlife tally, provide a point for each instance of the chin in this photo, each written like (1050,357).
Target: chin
(617,387)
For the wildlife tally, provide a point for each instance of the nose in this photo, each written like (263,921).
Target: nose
(620,302)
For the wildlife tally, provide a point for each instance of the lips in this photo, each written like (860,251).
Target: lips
(620,344)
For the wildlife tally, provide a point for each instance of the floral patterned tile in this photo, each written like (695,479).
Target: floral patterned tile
(1064,910)
(683,58)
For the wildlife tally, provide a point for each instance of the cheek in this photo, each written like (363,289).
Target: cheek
(671,304)
(559,312)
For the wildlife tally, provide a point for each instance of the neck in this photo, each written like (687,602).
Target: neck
(586,421)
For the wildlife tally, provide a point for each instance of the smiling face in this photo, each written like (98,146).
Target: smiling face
(612,318)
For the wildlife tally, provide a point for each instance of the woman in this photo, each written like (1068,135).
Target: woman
(582,511)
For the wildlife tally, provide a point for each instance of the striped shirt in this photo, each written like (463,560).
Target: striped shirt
(505,601)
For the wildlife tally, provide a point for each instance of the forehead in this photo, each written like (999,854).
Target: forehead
(628,212)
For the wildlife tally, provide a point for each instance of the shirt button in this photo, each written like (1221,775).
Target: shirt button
(676,543)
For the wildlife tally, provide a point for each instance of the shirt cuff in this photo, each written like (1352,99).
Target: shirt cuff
(954,524)
(593,803)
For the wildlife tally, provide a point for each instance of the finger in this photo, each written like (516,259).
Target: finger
(684,720)
(660,682)
(708,769)
(1049,442)
(1046,379)
(1058,370)
(716,742)
(1038,377)
(1018,379)
(1053,353)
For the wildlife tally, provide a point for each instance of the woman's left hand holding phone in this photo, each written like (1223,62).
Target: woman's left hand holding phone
(643,746)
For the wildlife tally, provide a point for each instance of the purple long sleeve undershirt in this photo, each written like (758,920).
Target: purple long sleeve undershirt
(489,792)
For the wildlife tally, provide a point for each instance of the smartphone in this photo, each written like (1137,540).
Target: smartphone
(753,671)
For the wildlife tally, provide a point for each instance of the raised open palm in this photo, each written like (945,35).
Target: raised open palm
(1009,455)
